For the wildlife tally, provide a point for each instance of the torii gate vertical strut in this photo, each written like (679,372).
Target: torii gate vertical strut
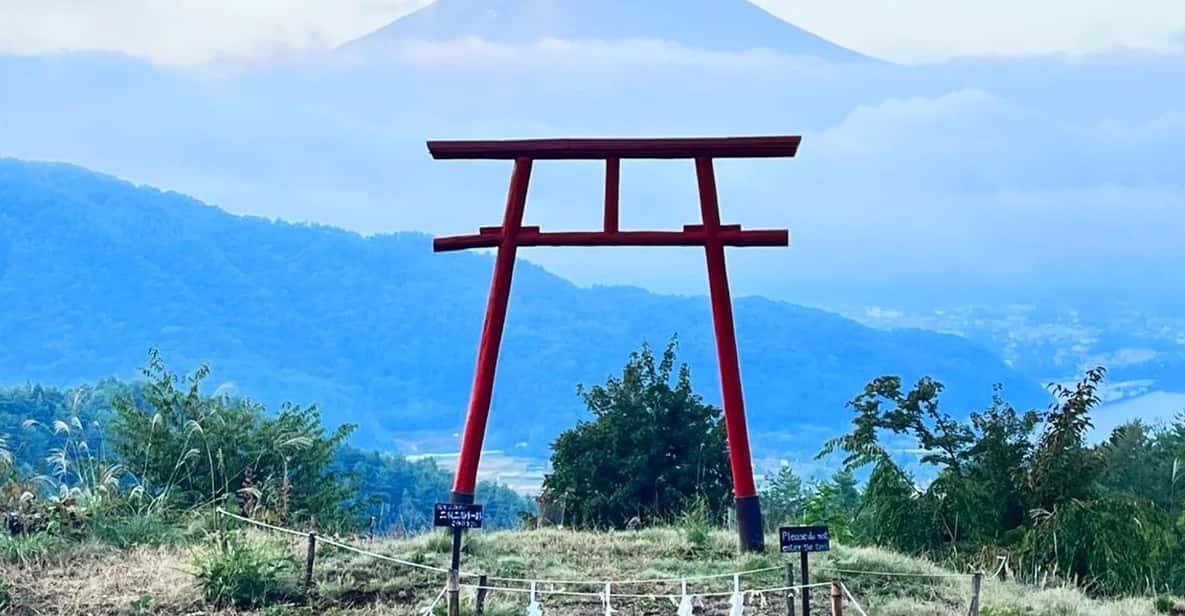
(710,234)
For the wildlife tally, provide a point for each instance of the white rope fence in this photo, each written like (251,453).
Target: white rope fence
(553,582)
(604,588)
(656,596)
(337,544)
(895,573)
(280,529)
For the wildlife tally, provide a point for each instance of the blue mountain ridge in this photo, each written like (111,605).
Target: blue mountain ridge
(381,331)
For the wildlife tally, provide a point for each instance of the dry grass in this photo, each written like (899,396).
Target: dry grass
(108,582)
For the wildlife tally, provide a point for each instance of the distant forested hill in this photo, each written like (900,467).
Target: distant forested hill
(381,331)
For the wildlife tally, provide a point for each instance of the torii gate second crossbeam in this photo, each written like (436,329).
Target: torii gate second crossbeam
(710,234)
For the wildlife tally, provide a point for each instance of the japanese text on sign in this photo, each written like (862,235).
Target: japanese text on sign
(457,515)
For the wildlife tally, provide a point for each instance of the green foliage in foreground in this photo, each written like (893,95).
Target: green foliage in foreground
(248,572)
(123,462)
(1023,486)
(190,449)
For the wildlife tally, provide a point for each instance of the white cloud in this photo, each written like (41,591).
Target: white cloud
(899,127)
(472,52)
(184,32)
(928,30)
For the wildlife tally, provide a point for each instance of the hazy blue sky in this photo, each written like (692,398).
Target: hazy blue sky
(188,31)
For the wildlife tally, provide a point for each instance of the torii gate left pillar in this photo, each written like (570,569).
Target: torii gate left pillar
(710,234)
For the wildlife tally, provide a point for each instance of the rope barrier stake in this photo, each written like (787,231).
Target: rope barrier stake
(836,599)
(976,582)
(685,605)
(454,593)
(608,601)
(533,607)
(789,591)
(736,603)
(310,556)
(479,602)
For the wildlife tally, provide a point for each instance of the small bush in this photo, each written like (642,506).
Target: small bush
(511,566)
(31,549)
(696,526)
(135,529)
(1165,604)
(473,544)
(246,574)
(5,595)
(441,543)
(141,606)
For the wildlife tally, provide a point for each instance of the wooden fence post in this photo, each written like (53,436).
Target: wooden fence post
(222,544)
(790,596)
(976,583)
(308,561)
(804,565)
(836,599)
(479,607)
(454,593)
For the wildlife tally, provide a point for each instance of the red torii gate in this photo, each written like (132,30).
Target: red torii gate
(712,235)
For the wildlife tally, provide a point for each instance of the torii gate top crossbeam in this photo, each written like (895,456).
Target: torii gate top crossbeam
(603,149)
(612,151)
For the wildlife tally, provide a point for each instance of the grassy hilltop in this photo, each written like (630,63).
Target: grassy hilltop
(99,579)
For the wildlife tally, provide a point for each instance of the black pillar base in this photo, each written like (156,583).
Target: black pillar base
(460,498)
(749,528)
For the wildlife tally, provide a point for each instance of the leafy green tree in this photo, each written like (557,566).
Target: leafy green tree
(833,503)
(1115,545)
(1135,463)
(990,474)
(824,506)
(1063,466)
(891,513)
(190,449)
(28,414)
(847,490)
(996,464)
(652,447)
(783,498)
(399,493)
(943,441)
(1170,444)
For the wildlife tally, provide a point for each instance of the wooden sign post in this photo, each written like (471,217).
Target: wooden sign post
(804,540)
(458,517)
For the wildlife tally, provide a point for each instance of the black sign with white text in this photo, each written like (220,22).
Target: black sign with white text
(457,515)
(804,538)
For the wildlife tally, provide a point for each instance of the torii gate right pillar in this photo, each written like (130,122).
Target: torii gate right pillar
(748,508)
